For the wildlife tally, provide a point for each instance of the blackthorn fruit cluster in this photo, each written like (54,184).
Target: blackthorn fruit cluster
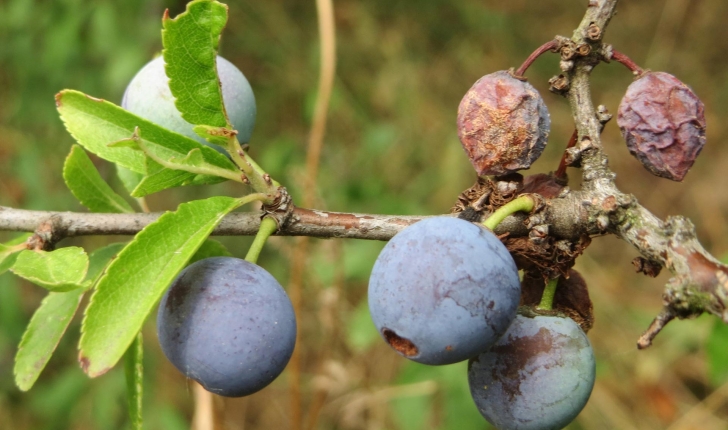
(148,96)
(227,324)
(443,290)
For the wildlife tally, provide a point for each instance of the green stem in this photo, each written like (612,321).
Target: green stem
(260,170)
(521,204)
(547,299)
(256,176)
(268,226)
(211,170)
(134,381)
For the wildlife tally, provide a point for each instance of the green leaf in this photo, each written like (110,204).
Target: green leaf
(216,135)
(190,49)
(211,248)
(107,131)
(129,178)
(134,370)
(41,338)
(99,259)
(159,178)
(135,281)
(193,162)
(9,251)
(86,184)
(60,270)
(51,320)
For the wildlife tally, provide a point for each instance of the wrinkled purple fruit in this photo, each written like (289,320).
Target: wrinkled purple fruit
(443,290)
(503,124)
(663,122)
(538,376)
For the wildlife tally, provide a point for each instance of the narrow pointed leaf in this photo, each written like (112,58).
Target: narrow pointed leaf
(159,178)
(43,334)
(96,123)
(129,178)
(88,186)
(51,320)
(190,49)
(134,370)
(99,259)
(135,281)
(60,270)
(9,252)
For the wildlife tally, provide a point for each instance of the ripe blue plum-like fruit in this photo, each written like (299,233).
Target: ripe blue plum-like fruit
(227,324)
(148,96)
(538,376)
(443,290)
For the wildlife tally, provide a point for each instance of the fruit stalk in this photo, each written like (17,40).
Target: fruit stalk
(548,46)
(547,300)
(268,226)
(521,204)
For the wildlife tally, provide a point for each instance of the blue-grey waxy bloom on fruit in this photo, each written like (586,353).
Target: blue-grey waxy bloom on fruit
(443,290)
(228,324)
(538,376)
(148,95)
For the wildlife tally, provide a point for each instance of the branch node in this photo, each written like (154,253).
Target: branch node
(647,267)
(559,84)
(603,115)
(594,32)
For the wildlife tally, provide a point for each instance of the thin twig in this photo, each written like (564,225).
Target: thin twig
(327,35)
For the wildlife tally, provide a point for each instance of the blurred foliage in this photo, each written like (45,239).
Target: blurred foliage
(391,147)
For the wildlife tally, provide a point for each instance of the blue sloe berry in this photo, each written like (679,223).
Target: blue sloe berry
(148,96)
(228,324)
(443,290)
(538,376)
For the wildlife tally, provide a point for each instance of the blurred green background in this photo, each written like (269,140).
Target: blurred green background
(391,147)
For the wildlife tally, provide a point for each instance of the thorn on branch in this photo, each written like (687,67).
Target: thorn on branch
(660,321)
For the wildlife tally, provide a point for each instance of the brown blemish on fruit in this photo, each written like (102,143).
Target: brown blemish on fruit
(402,345)
(515,355)
(448,348)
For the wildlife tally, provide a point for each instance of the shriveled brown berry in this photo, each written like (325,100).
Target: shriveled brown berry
(663,122)
(547,185)
(503,124)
